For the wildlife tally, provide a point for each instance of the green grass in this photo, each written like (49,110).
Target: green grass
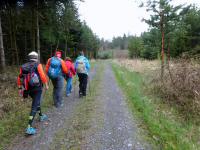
(164,127)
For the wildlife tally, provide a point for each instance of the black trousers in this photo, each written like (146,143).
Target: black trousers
(36,95)
(83,79)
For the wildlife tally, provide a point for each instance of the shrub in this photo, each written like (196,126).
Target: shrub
(180,87)
(105,54)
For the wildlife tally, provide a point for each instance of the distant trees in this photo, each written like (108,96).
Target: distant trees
(116,43)
(47,26)
(135,47)
(173,30)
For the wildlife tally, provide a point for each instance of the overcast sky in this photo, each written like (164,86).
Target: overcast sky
(109,18)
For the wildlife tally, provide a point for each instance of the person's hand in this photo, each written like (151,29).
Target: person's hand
(46,86)
(20,92)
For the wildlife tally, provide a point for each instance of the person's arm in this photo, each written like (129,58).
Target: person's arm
(47,65)
(73,69)
(64,67)
(75,65)
(87,65)
(42,75)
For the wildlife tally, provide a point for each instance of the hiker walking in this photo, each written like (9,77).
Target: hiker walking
(30,83)
(71,73)
(82,67)
(55,69)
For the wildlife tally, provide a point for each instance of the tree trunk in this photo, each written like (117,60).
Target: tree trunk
(162,51)
(15,48)
(162,55)
(51,50)
(57,44)
(168,51)
(38,33)
(3,63)
(25,44)
(33,30)
(65,55)
(13,39)
(11,36)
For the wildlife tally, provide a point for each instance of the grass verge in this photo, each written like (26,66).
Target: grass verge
(73,135)
(164,127)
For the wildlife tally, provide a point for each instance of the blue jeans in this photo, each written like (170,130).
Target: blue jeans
(58,84)
(69,86)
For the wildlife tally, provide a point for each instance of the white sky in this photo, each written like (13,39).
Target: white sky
(108,18)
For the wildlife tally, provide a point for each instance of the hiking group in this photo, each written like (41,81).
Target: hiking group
(32,78)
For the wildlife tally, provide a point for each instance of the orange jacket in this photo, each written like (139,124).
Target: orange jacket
(64,67)
(41,74)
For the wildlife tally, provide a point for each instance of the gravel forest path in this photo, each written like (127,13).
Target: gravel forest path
(101,121)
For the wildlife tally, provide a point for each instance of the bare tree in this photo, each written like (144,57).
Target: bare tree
(3,64)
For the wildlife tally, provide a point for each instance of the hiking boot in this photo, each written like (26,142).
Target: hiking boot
(30,131)
(43,117)
(80,95)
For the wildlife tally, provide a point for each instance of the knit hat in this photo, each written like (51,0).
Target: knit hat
(68,58)
(33,56)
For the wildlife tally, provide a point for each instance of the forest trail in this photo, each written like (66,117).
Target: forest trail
(105,124)
(113,126)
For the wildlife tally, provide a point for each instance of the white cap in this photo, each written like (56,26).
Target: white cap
(33,56)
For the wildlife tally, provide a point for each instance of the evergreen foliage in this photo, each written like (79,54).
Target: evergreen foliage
(59,28)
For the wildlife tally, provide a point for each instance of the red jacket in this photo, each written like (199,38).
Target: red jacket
(70,67)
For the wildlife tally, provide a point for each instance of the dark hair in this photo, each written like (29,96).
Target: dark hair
(81,53)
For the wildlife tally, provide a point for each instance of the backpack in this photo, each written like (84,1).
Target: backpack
(30,75)
(81,68)
(55,68)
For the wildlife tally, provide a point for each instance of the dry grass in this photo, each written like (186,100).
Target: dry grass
(138,65)
(8,91)
(180,86)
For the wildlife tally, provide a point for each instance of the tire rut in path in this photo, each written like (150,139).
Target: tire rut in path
(47,130)
(113,127)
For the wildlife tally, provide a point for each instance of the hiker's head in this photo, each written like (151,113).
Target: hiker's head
(33,56)
(68,59)
(81,53)
(58,54)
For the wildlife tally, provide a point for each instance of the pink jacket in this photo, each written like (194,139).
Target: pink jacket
(70,67)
